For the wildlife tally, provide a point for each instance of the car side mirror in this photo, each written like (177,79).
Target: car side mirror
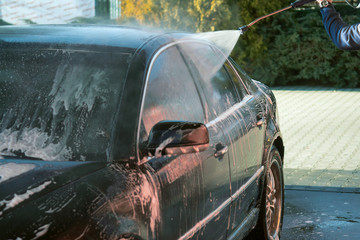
(177,137)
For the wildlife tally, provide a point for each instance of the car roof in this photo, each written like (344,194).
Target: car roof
(100,35)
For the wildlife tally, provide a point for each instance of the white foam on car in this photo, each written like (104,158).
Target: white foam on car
(17,199)
(33,142)
(87,87)
(10,170)
(41,231)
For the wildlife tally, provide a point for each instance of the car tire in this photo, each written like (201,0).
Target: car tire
(270,220)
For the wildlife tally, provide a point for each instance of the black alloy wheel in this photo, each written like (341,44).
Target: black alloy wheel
(270,220)
(274,199)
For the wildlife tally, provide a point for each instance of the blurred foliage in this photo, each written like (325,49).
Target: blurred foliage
(291,48)
(143,11)
(253,41)
(189,15)
(299,52)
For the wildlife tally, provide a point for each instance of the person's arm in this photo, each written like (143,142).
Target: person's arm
(344,36)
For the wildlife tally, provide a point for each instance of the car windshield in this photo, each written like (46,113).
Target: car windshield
(59,105)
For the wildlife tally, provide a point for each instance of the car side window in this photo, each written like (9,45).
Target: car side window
(239,84)
(214,80)
(251,86)
(171,93)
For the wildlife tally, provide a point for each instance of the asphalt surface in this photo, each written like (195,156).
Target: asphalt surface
(321,131)
(321,215)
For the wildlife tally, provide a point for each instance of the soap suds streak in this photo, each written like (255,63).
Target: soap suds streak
(10,170)
(41,231)
(33,143)
(19,198)
(69,93)
(54,110)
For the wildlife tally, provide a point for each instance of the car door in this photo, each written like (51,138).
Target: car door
(236,111)
(247,137)
(194,186)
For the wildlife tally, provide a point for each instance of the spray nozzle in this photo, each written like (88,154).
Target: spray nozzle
(243,29)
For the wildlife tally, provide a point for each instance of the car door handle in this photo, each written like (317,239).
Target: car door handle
(260,122)
(222,150)
(260,118)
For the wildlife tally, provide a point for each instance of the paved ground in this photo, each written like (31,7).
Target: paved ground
(321,130)
(312,215)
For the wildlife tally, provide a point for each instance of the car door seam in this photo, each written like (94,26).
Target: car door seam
(229,111)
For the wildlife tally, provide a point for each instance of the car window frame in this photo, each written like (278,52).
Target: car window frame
(154,57)
(246,80)
(216,51)
(229,61)
(234,67)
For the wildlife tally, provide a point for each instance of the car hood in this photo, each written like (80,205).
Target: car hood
(25,180)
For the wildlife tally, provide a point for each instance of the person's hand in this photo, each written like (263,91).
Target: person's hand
(318,1)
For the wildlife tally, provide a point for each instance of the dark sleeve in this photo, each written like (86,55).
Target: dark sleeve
(344,36)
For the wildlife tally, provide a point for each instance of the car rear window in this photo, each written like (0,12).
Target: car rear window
(59,105)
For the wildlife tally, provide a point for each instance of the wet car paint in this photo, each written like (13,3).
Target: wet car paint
(99,203)
(164,197)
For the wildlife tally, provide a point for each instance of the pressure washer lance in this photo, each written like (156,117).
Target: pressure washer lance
(295,4)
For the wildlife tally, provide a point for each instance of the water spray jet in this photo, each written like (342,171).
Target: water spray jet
(226,40)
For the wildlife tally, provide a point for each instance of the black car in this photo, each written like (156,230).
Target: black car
(124,133)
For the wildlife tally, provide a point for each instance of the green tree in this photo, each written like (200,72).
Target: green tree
(175,15)
(190,15)
(140,11)
(301,53)
(252,45)
(210,15)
